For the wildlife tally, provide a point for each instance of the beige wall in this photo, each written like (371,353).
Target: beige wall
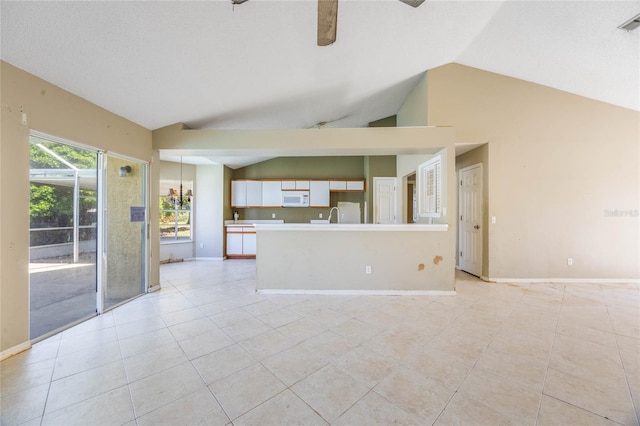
(336,260)
(59,113)
(559,163)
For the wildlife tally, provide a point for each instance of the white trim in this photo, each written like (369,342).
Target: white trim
(565,280)
(15,350)
(207,258)
(351,227)
(359,292)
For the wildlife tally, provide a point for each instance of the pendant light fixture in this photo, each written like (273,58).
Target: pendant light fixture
(178,198)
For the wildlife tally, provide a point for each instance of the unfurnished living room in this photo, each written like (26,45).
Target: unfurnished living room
(320,212)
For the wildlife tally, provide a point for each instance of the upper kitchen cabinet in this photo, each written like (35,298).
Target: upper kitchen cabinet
(271,193)
(246,193)
(295,185)
(254,193)
(319,193)
(353,185)
(238,193)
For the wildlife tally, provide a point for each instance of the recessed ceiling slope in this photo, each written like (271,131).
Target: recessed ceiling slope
(572,46)
(255,65)
(217,65)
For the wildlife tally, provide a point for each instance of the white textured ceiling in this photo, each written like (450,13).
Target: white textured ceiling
(214,65)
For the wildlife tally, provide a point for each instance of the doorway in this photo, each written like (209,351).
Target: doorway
(384,200)
(471,220)
(63,235)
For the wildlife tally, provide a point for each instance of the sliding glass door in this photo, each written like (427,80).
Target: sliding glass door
(88,232)
(63,225)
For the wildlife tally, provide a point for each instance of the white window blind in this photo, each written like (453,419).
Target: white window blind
(430,188)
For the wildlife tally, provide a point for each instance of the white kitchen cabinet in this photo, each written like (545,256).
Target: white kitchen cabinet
(249,243)
(288,185)
(271,193)
(234,244)
(254,193)
(302,185)
(319,193)
(241,242)
(238,193)
(338,185)
(355,185)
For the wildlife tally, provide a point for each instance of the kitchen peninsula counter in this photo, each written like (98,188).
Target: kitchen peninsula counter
(355,258)
(412,227)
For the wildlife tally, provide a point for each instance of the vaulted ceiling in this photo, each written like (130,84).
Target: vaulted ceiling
(256,65)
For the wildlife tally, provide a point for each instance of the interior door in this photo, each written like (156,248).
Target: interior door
(125,230)
(470,243)
(384,200)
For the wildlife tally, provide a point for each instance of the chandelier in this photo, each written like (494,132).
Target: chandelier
(177,197)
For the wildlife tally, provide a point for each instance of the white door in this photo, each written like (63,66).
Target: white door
(384,200)
(470,253)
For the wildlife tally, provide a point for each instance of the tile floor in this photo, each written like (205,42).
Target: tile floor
(207,350)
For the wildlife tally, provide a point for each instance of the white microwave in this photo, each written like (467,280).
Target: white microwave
(295,198)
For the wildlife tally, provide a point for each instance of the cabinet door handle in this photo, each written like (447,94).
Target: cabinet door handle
(477,227)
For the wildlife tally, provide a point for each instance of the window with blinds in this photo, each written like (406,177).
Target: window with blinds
(430,188)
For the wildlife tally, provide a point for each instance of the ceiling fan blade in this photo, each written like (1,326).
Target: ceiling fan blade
(327,21)
(414,3)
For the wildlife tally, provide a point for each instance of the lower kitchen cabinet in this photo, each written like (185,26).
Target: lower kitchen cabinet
(241,242)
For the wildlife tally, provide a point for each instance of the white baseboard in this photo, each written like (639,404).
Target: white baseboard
(359,292)
(207,258)
(15,350)
(603,281)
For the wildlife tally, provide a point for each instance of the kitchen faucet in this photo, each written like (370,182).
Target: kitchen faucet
(331,212)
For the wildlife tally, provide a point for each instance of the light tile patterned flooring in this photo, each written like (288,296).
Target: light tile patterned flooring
(207,350)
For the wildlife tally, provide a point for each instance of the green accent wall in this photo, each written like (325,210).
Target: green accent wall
(304,167)
(385,122)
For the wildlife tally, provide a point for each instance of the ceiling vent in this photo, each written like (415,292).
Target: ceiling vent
(631,24)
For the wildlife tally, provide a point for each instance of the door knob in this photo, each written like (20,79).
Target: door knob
(477,227)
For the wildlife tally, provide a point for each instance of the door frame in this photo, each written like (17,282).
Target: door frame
(482,218)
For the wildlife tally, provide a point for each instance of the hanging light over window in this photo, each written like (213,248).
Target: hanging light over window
(177,197)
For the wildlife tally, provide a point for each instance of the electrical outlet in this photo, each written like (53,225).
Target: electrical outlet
(201,245)
(569,261)
(367,269)
(493,220)
(319,215)
(273,215)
